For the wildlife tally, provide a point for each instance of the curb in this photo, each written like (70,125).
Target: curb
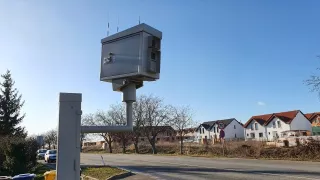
(120,176)
(89,177)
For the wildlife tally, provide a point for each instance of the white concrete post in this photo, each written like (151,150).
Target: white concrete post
(68,156)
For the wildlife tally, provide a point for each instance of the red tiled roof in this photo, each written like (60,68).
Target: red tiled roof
(261,119)
(310,116)
(287,117)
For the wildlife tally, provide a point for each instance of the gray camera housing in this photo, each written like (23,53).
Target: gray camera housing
(133,54)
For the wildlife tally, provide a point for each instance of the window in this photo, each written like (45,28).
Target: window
(256,125)
(269,133)
(252,128)
(203,130)
(248,135)
(214,129)
(53,152)
(235,135)
(200,130)
(279,124)
(234,126)
(252,135)
(260,135)
(274,124)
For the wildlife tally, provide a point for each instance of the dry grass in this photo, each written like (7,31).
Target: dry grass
(241,149)
(102,172)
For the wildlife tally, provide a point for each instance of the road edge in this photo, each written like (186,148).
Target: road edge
(120,176)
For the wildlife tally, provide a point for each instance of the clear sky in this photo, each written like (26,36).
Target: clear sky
(223,58)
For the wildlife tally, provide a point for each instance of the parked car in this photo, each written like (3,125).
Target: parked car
(41,153)
(50,156)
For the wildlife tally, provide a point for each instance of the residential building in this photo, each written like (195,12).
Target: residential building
(166,133)
(209,131)
(233,129)
(189,134)
(96,143)
(314,118)
(269,127)
(203,131)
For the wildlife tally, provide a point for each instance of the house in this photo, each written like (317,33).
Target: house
(233,129)
(269,127)
(189,134)
(88,143)
(209,131)
(165,133)
(203,131)
(314,118)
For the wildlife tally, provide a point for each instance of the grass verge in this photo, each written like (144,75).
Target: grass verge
(101,172)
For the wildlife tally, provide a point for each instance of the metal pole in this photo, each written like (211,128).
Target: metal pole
(129,113)
(68,156)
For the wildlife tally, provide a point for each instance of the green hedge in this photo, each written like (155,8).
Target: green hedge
(17,155)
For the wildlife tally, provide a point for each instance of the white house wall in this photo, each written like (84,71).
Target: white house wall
(300,122)
(277,129)
(261,129)
(230,132)
(202,135)
(217,133)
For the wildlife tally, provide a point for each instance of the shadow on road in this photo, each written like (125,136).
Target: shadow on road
(196,170)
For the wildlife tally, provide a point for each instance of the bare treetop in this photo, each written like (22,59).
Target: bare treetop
(117,114)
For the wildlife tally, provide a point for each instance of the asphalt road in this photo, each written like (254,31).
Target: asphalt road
(196,168)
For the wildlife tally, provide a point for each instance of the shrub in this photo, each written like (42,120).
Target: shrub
(18,155)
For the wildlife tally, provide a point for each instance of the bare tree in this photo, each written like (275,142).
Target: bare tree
(123,138)
(182,122)
(114,116)
(87,119)
(50,138)
(156,118)
(103,119)
(117,115)
(314,83)
(138,117)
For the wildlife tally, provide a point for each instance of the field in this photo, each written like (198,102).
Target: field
(241,149)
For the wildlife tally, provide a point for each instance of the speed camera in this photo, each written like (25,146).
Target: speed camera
(133,54)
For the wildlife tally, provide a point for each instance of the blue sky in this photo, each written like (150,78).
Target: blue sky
(223,58)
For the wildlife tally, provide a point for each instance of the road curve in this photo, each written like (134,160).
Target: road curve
(176,167)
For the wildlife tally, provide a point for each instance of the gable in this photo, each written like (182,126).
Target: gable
(275,120)
(315,119)
(252,123)
(312,116)
(286,117)
(261,119)
(205,126)
(236,121)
